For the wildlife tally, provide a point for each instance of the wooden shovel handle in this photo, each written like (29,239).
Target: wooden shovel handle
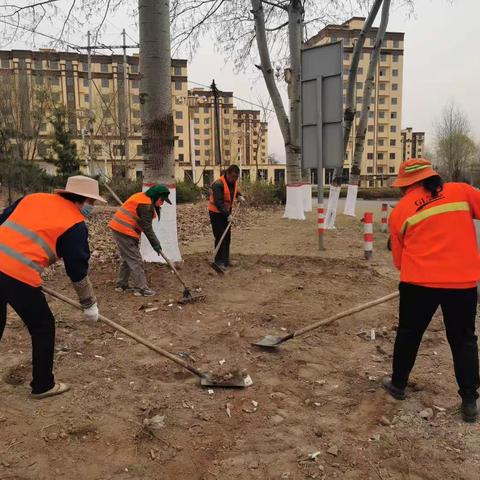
(346,313)
(173,269)
(224,234)
(127,332)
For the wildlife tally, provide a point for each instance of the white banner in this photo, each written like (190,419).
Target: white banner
(166,232)
(294,207)
(351,201)
(331,214)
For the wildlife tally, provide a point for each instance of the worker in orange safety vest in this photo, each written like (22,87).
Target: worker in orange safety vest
(435,248)
(35,232)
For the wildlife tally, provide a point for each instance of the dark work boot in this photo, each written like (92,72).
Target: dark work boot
(395,392)
(469,411)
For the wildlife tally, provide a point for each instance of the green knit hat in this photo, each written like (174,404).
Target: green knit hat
(159,191)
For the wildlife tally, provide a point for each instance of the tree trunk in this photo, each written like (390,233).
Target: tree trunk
(349,114)
(295,16)
(367,97)
(156,91)
(293,168)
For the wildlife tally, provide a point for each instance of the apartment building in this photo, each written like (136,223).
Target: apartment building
(383,149)
(107,127)
(413,144)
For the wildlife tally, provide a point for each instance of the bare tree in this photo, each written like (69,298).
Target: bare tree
(456,152)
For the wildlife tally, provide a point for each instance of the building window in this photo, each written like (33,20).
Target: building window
(70,81)
(370,142)
(394,72)
(395,57)
(360,99)
(381,128)
(392,169)
(206,109)
(134,68)
(370,156)
(178,84)
(381,100)
(139,149)
(38,64)
(393,128)
(395,86)
(360,71)
(53,65)
(71,97)
(379,169)
(393,142)
(178,115)
(369,169)
(383,86)
(85,82)
(370,128)
(86,98)
(393,115)
(359,85)
(177,71)
(136,99)
(346,70)
(136,84)
(197,142)
(371,114)
(206,121)
(382,72)
(346,56)
(105,83)
(206,142)
(381,114)
(179,129)
(383,57)
(197,153)
(396,44)
(196,121)
(206,131)
(392,156)
(5,63)
(226,132)
(180,143)
(380,156)
(85,67)
(104,67)
(196,131)
(381,142)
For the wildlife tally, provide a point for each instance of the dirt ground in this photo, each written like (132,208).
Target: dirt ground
(315,409)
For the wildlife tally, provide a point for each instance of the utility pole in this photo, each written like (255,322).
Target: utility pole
(91,113)
(126,105)
(218,149)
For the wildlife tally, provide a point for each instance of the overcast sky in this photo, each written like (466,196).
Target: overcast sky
(441,64)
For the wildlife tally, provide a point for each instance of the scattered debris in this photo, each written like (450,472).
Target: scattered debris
(314,455)
(228,410)
(222,361)
(426,414)
(333,450)
(155,423)
(384,421)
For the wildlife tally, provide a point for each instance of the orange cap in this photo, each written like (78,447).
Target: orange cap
(412,171)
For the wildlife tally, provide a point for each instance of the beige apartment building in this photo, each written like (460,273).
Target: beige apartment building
(413,144)
(107,126)
(383,150)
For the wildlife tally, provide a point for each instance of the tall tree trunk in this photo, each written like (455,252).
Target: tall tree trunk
(156,90)
(367,96)
(349,114)
(295,22)
(269,77)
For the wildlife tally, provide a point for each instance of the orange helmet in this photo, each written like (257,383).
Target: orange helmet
(412,171)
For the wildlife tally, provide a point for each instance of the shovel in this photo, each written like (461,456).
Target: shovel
(216,267)
(271,341)
(206,379)
(188,296)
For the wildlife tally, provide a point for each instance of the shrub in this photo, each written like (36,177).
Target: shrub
(261,193)
(188,192)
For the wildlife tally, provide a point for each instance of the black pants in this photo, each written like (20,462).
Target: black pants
(32,307)
(459,308)
(219,224)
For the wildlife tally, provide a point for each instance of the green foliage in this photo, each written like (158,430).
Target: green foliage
(188,192)
(262,193)
(63,149)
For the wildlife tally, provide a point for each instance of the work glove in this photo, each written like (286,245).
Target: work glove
(229,218)
(158,250)
(91,313)
(241,199)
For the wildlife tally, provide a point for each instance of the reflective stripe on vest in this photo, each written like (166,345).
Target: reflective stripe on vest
(52,258)
(20,258)
(437,210)
(127,225)
(129,214)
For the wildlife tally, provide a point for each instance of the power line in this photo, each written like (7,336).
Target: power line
(237,98)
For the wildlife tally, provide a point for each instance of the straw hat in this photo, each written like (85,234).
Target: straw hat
(84,186)
(412,171)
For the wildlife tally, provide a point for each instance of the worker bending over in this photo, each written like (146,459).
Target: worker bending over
(130,220)
(434,246)
(35,232)
(222,197)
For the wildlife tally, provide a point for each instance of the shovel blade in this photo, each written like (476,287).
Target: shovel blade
(192,299)
(269,341)
(235,381)
(217,268)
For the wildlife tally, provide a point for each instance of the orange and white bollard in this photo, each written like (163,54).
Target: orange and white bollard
(321,226)
(368,234)
(384,224)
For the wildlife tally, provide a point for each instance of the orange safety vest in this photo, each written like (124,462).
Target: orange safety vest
(433,239)
(126,220)
(28,238)
(226,196)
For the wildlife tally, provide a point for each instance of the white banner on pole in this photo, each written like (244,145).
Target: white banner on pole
(351,201)
(307,199)
(166,232)
(331,214)
(294,207)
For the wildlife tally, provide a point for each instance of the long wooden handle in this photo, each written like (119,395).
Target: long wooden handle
(174,270)
(346,313)
(136,337)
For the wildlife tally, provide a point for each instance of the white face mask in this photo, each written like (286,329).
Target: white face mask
(86,210)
